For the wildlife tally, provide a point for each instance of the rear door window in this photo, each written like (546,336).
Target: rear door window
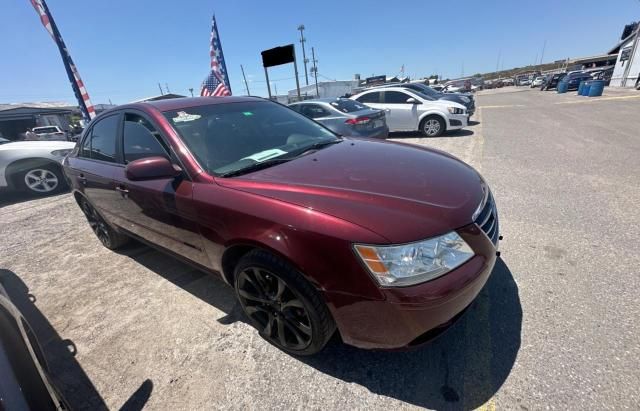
(314,111)
(103,139)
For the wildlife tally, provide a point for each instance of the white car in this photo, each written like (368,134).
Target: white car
(50,133)
(410,110)
(33,166)
(537,82)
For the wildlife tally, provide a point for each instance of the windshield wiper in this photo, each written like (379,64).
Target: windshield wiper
(256,166)
(316,146)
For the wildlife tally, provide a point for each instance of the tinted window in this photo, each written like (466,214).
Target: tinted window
(141,139)
(313,111)
(44,130)
(103,139)
(395,97)
(347,106)
(85,150)
(373,97)
(226,138)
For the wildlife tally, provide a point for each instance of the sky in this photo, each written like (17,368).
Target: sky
(123,49)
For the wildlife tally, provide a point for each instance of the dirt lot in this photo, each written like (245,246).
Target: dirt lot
(555,327)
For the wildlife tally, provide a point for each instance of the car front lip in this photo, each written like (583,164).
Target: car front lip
(410,316)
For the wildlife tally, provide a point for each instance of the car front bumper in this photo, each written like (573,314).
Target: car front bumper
(410,316)
(457,121)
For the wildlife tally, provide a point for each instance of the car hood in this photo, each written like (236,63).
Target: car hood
(37,145)
(444,103)
(401,192)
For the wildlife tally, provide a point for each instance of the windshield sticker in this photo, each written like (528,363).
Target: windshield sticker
(184,116)
(265,155)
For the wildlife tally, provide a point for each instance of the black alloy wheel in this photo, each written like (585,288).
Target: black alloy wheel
(107,236)
(286,310)
(270,303)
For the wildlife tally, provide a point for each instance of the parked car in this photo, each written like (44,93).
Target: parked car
(551,82)
(380,240)
(345,117)
(466,99)
(573,79)
(33,166)
(437,87)
(4,140)
(50,133)
(411,110)
(537,82)
(25,382)
(524,82)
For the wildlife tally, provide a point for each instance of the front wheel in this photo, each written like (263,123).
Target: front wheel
(432,126)
(286,310)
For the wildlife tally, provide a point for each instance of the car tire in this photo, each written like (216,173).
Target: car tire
(40,180)
(281,304)
(432,126)
(107,235)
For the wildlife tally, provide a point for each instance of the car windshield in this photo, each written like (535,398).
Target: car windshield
(228,139)
(428,91)
(348,106)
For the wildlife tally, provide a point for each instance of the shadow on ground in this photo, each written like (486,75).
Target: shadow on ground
(416,134)
(9,197)
(462,369)
(67,374)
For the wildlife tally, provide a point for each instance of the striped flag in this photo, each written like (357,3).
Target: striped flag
(217,82)
(79,90)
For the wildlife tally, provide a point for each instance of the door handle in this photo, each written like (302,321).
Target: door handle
(123,190)
(82,179)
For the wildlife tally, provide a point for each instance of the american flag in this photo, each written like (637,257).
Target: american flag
(72,72)
(217,82)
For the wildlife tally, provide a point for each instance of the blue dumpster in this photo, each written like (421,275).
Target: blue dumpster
(586,87)
(581,87)
(596,89)
(562,87)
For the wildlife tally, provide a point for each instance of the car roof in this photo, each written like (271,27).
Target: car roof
(321,100)
(186,102)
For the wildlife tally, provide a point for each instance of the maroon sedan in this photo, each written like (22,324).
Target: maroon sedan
(387,243)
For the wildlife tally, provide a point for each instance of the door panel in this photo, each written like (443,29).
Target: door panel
(401,116)
(161,212)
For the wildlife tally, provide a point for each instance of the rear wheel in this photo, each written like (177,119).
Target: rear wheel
(109,237)
(40,180)
(286,310)
(432,126)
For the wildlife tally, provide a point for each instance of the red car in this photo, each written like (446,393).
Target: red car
(385,242)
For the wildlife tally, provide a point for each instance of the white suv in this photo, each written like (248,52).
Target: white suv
(410,110)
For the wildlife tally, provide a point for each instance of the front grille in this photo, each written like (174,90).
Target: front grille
(487,219)
(455,122)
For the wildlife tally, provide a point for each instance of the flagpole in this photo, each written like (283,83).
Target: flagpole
(87,110)
(245,80)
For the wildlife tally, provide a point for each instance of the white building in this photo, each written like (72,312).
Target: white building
(326,89)
(628,62)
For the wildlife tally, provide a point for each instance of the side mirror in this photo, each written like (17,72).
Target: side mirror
(151,168)
(412,100)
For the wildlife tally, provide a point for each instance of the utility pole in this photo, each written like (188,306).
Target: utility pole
(245,80)
(498,62)
(314,69)
(544,45)
(160,87)
(462,70)
(191,91)
(304,56)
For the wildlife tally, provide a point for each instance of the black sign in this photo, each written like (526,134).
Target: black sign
(279,55)
(375,80)
(625,53)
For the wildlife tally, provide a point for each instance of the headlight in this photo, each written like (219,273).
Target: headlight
(465,99)
(415,263)
(61,153)
(455,110)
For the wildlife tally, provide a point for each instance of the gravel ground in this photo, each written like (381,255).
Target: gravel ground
(555,327)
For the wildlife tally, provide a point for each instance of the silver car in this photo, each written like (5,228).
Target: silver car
(345,117)
(33,166)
